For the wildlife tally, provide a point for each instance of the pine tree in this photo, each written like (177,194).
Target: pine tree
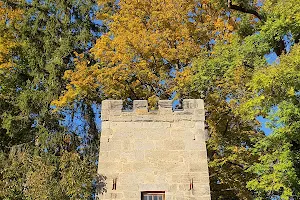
(40,155)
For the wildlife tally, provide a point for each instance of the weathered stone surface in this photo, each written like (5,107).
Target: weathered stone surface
(160,150)
(140,106)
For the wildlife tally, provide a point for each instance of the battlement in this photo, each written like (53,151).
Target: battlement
(192,110)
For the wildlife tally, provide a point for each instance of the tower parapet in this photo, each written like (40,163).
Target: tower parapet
(193,110)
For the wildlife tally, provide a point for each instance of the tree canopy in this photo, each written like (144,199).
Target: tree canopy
(59,59)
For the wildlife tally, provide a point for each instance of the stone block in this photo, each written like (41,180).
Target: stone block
(127,145)
(143,117)
(125,125)
(195,144)
(193,104)
(124,135)
(143,145)
(140,106)
(108,166)
(173,188)
(120,118)
(104,145)
(104,155)
(116,105)
(159,145)
(105,115)
(106,132)
(184,187)
(174,145)
(158,133)
(173,166)
(198,167)
(199,126)
(127,157)
(105,105)
(137,167)
(132,195)
(114,156)
(139,155)
(115,195)
(115,145)
(182,117)
(195,155)
(165,104)
(165,107)
(202,191)
(141,134)
(155,125)
(160,156)
(183,125)
(153,187)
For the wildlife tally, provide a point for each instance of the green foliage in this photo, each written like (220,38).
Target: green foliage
(26,175)
(278,100)
(235,72)
(40,158)
(221,76)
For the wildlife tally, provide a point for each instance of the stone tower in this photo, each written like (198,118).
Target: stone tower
(153,155)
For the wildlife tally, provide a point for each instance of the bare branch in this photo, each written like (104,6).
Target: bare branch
(245,10)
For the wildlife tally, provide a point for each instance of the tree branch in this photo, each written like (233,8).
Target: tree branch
(245,10)
(236,164)
(247,65)
(280,47)
(26,5)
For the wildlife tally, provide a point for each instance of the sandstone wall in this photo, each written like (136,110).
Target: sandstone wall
(161,150)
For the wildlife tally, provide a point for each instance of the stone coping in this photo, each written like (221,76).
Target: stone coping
(192,110)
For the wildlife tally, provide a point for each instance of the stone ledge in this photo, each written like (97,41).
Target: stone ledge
(188,104)
(193,110)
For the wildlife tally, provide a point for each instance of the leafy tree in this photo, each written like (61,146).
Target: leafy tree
(236,71)
(40,157)
(220,76)
(278,166)
(148,44)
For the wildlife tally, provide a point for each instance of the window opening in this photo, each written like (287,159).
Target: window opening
(153,195)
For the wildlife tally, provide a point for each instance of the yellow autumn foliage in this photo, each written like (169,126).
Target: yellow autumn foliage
(149,44)
(8,17)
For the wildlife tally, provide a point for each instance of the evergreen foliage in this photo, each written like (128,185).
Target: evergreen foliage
(40,156)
